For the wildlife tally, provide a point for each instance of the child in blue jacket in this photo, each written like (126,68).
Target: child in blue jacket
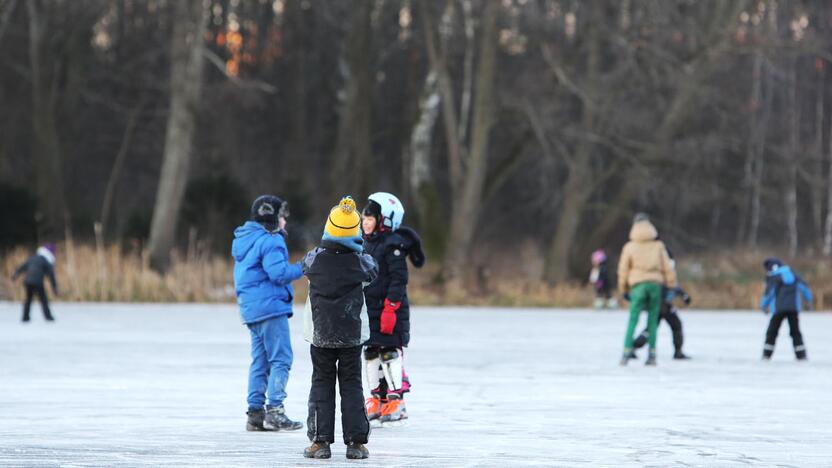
(782,299)
(263,280)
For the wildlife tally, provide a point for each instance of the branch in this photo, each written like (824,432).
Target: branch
(215,60)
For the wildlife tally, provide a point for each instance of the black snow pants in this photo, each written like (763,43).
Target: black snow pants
(40,291)
(794,331)
(668,314)
(343,364)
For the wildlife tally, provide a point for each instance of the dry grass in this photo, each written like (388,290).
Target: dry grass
(715,280)
(113,275)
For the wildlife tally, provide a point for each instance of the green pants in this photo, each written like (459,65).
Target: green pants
(644,296)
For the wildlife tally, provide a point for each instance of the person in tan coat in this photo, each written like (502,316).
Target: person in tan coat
(643,268)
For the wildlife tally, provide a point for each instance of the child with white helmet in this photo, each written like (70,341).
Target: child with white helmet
(388,309)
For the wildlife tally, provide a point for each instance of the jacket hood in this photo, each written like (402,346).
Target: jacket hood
(47,254)
(414,246)
(643,231)
(244,238)
(785,273)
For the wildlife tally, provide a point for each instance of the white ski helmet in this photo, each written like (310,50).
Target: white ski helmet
(391,209)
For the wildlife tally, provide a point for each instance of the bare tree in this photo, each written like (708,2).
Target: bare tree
(45,97)
(185,86)
(353,149)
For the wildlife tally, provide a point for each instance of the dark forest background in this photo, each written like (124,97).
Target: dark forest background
(510,129)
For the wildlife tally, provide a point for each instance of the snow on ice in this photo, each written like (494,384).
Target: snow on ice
(164,385)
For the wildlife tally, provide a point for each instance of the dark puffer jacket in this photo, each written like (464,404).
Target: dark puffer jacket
(37,268)
(390,249)
(335,315)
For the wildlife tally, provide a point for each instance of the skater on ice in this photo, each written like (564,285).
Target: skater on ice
(336,326)
(669,314)
(599,278)
(390,244)
(782,299)
(263,282)
(37,268)
(644,268)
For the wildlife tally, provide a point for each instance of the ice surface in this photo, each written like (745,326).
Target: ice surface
(151,385)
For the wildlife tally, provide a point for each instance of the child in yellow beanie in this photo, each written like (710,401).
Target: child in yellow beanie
(336,326)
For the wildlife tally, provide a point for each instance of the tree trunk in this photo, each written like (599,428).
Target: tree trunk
(762,97)
(118,164)
(467,204)
(579,184)
(54,217)
(817,170)
(827,235)
(185,86)
(428,204)
(792,159)
(353,150)
(753,135)
(455,146)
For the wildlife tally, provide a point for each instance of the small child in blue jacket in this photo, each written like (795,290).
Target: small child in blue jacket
(782,299)
(263,280)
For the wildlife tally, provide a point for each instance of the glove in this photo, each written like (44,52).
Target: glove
(686,298)
(388,317)
(626,296)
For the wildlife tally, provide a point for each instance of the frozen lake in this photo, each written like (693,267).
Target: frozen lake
(150,385)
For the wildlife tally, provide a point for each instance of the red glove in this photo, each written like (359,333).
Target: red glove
(388,317)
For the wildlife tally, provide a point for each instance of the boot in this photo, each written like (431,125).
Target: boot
(394,410)
(276,420)
(651,359)
(373,405)
(680,355)
(356,451)
(255,420)
(318,450)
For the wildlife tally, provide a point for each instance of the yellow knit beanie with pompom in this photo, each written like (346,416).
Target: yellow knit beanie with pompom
(344,220)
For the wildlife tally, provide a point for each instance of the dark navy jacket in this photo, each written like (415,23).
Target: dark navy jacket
(389,249)
(262,273)
(784,290)
(335,315)
(37,267)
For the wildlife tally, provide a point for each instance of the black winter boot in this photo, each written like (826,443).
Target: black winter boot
(255,420)
(356,451)
(318,450)
(276,420)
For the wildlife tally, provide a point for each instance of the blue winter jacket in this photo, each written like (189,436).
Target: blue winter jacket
(783,291)
(262,273)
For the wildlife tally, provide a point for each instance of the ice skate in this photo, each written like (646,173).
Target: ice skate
(626,356)
(612,303)
(255,420)
(651,359)
(373,405)
(393,413)
(319,450)
(356,451)
(680,355)
(598,303)
(276,420)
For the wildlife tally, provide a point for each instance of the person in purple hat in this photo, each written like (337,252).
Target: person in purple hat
(36,267)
